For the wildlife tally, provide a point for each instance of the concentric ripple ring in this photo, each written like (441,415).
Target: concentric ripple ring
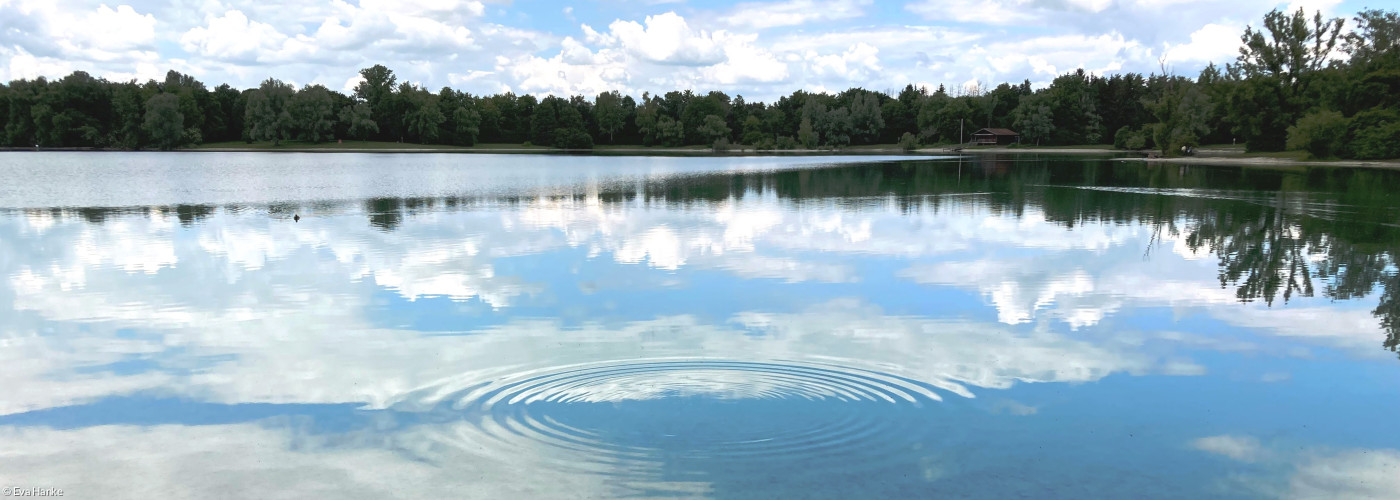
(597,412)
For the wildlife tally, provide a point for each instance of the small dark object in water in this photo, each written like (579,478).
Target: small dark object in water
(296,218)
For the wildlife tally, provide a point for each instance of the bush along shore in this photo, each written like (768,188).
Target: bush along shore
(1329,88)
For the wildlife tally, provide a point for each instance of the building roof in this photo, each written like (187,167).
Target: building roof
(995,131)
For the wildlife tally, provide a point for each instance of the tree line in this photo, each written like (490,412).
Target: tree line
(1299,83)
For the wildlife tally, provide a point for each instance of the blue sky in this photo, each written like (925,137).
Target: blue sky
(760,49)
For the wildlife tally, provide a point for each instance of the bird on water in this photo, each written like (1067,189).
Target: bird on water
(296,218)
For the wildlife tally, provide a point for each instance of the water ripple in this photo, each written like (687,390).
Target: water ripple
(632,415)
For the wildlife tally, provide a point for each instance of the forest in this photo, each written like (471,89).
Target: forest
(1329,87)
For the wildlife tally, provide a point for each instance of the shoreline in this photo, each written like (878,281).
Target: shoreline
(1068,151)
(635,151)
(1217,157)
(621,151)
(1255,161)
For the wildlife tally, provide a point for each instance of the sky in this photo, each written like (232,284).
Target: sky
(759,49)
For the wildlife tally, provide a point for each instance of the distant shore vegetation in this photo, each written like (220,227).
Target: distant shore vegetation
(1300,83)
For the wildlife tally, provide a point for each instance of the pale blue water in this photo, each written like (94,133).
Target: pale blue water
(444,326)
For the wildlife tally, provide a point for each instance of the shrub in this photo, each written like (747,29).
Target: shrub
(1136,140)
(786,142)
(572,138)
(1120,138)
(1374,134)
(192,136)
(765,144)
(1320,133)
(908,142)
(721,145)
(1127,138)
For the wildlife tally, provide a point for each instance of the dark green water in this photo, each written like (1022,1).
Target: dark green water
(440,326)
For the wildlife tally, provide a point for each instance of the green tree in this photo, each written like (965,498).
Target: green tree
(524,109)
(929,120)
(806,135)
(1034,118)
(468,125)
(544,121)
(224,117)
(164,122)
(836,128)
(814,108)
(268,117)
(558,122)
(1093,122)
(900,113)
(1375,134)
(313,111)
(670,132)
(1291,48)
(695,111)
(610,113)
(867,122)
(1321,133)
(45,119)
(1278,63)
(358,120)
(1123,136)
(490,121)
(5,96)
(127,109)
(952,119)
(83,110)
(1183,115)
(753,130)
(23,128)
(1377,33)
(194,100)
(1070,97)
(908,142)
(572,138)
(377,89)
(648,114)
(422,115)
(714,128)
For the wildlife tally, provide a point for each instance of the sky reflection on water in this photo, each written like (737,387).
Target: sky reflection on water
(700,327)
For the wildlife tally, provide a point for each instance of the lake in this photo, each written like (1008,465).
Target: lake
(513,326)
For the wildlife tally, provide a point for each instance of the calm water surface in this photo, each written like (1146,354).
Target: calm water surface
(441,326)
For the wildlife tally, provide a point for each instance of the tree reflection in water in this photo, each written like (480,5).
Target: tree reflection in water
(1277,233)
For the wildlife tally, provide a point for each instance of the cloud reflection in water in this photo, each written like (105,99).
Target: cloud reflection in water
(628,340)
